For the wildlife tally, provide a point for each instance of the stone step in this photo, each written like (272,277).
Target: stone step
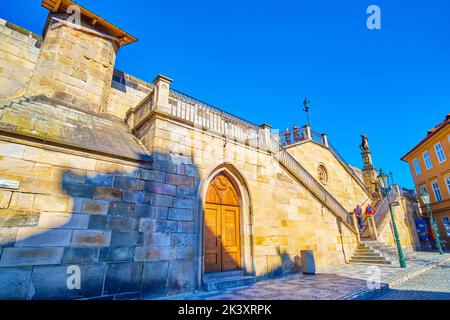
(376,255)
(209,276)
(367,261)
(229,282)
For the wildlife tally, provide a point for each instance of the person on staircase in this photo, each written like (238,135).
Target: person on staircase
(358,214)
(370,211)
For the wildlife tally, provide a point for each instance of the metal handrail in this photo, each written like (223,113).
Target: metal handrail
(302,175)
(212,118)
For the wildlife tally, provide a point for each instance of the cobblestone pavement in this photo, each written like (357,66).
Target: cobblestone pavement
(432,285)
(327,284)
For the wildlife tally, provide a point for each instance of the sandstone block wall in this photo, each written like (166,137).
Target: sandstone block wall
(74,66)
(121,223)
(19,49)
(340,183)
(280,217)
(405,226)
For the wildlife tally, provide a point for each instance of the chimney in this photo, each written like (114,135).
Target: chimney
(77,57)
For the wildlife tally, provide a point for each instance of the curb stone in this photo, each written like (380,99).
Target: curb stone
(370,293)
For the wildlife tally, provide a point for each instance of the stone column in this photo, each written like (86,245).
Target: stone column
(266,143)
(308,131)
(325,140)
(161,95)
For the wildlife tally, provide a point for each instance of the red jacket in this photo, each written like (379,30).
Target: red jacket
(370,210)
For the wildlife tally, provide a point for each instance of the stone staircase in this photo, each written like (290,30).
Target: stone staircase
(227,279)
(370,252)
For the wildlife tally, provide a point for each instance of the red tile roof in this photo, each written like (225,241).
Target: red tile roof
(430,133)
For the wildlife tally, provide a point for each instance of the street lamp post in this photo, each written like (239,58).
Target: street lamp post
(426,200)
(384,181)
(306,109)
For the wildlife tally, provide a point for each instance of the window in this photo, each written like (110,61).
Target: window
(423,190)
(417,167)
(427,160)
(447,182)
(439,152)
(446,221)
(437,191)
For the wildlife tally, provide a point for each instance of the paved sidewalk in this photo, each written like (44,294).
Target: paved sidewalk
(432,285)
(331,283)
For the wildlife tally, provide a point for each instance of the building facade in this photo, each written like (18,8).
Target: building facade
(140,188)
(430,169)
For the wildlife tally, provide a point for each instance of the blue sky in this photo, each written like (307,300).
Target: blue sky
(259,59)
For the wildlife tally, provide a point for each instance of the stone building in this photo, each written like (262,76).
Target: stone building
(144,189)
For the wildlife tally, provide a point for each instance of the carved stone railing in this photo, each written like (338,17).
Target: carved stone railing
(212,119)
(382,209)
(208,118)
(137,115)
(292,137)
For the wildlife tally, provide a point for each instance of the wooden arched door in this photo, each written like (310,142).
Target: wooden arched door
(222,226)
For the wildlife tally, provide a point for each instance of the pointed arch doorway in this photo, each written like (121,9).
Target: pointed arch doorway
(222,247)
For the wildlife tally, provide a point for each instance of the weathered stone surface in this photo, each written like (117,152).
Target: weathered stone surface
(113,223)
(160,188)
(43,237)
(162,200)
(30,256)
(153,175)
(7,237)
(146,253)
(121,209)
(121,182)
(154,278)
(183,191)
(80,255)
(5,198)
(165,226)
(183,239)
(106,193)
(96,179)
(185,203)
(181,214)
(78,190)
(94,238)
(126,238)
(15,283)
(51,282)
(179,180)
(135,196)
(95,207)
(15,218)
(181,276)
(185,252)
(22,201)
(165,165)
(111,254)
(157,239)
(143,210)
(123,277)
(58,220)
(186,227)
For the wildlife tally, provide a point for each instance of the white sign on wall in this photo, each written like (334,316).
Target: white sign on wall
(9,184)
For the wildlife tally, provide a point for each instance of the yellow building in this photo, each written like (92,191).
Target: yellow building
(430,169)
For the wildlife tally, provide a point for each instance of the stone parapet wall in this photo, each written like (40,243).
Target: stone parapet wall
(19,50)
